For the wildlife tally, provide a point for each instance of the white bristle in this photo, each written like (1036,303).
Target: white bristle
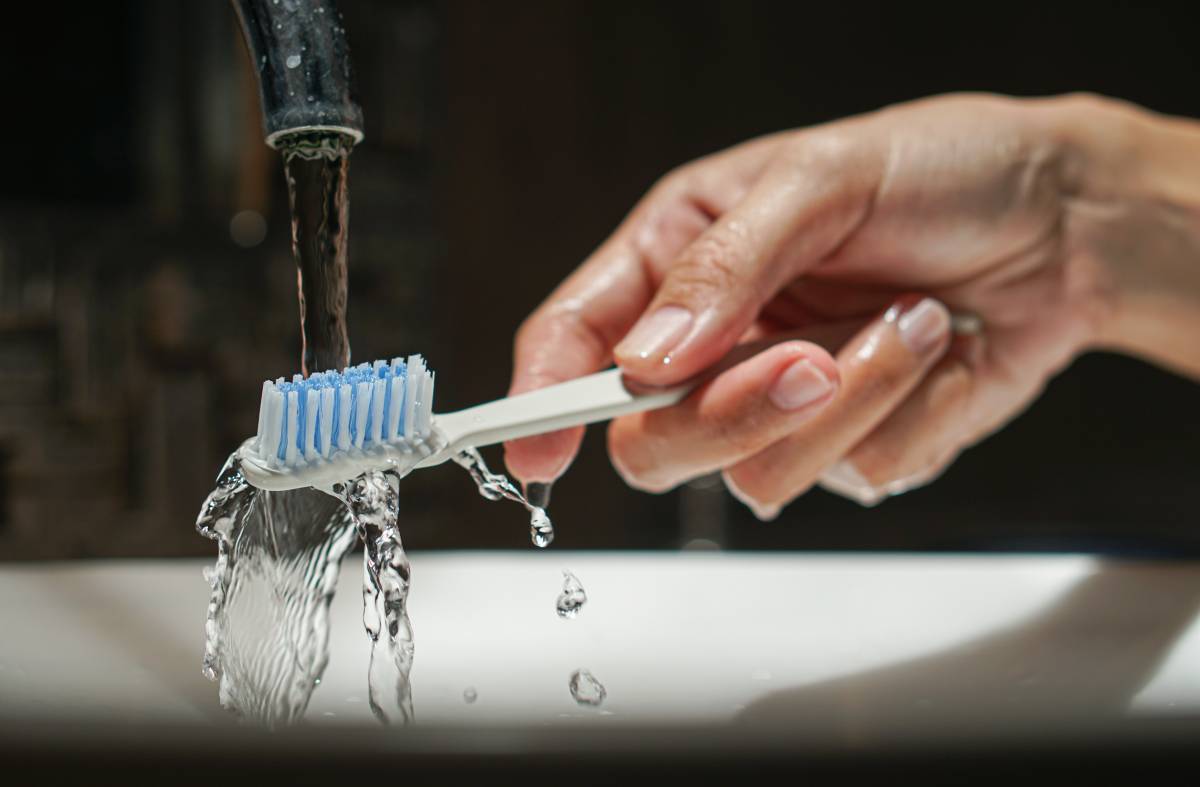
(274,408)
(291,427)
(363,401)
(343,441)
(414,374)
(327,395)
(312,408)
(395,405)
(427,404)
(378,391)
(267,387)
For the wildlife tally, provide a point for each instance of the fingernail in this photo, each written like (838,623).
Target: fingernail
(844,479)
(764,511)
(923,326)
(656,335)
(799,385)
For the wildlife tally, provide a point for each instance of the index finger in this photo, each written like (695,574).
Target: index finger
(571,335)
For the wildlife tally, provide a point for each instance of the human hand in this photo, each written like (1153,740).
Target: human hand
(987,206)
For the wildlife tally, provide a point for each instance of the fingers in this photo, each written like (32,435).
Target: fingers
(572,333)
(915,443)
(569,336)
(740,412)
(879,368)
(805,204)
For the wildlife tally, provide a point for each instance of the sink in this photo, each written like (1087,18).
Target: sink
(843,648)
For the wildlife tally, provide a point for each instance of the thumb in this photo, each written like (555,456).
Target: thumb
(800,210)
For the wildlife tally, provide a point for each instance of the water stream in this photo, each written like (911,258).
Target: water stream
(278,553)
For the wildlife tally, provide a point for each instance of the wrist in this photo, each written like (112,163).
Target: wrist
(1131,221)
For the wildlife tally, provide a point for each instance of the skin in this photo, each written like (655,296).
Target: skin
(1058,225)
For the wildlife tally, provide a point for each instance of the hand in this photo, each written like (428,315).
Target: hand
(1026,215)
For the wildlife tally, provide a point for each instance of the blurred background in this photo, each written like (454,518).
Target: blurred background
(147,286)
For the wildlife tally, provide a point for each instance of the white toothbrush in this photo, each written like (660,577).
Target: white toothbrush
(379,416)
(334,426)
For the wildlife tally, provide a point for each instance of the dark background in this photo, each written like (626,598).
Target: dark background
(503,142)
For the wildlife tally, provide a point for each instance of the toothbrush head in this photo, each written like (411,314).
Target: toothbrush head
(333,426)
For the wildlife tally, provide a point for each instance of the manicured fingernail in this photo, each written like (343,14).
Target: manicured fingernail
(656,335)
(923,326)
(765,512)
(799,385)
(844,479)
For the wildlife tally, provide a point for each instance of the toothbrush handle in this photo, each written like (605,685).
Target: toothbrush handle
(600,397)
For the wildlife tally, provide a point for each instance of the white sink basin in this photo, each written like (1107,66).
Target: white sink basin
(869,642)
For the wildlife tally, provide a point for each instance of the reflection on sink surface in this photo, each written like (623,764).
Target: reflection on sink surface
(863,644)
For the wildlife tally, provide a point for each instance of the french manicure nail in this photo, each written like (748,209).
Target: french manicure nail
(923,326)
(799,385)
(656,335)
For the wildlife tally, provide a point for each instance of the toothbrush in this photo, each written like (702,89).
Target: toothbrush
(333,426)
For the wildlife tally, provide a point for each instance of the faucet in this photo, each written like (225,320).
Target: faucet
(305,80)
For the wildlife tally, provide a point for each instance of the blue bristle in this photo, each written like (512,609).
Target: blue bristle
(325,435)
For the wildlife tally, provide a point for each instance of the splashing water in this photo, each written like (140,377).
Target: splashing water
(372,500)
(267,630)
(572,598)
(586,689)
(495,486)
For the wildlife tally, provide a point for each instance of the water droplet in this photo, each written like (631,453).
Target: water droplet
(293,61)
(470,695)
(495,486)
(541,529)
(572,598)
(586,689)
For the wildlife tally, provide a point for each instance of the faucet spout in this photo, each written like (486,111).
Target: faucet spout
(299,52)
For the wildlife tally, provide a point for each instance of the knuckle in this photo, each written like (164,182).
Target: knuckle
(712,264)
(827,148)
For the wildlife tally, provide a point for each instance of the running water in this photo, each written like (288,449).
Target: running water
(317,169)
(373,503)
(267,631)
(278,553)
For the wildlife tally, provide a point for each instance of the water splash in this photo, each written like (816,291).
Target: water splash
(267,628)
(496,486)
(572,598)
(585,689)
(373,502)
